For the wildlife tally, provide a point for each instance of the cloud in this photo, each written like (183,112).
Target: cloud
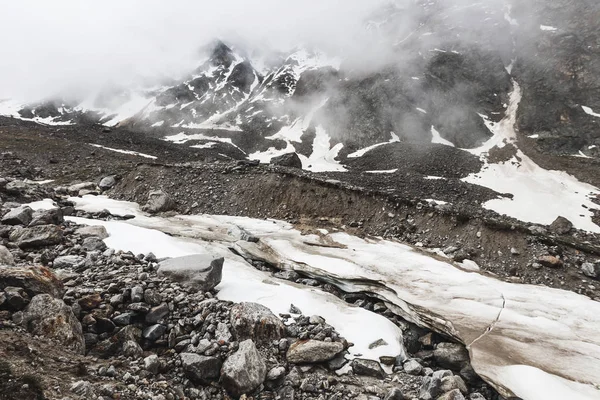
(72,46)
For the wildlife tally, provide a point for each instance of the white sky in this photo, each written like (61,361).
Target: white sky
(50,46)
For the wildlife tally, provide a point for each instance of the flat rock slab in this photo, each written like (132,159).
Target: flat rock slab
(200,270)
(34,280)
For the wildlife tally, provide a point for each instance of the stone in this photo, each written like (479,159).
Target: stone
(53,216)
(256,322)
(18,216)
(108,182)
(200,369)
(290,160)
(412,367)
(476,396)
(452,395)
(200,270)
(244,370)
(152,364)
(93,243)
(34,280)
(6,257)
(15,298)
(588,269)
(84,389)
(430,388)
(561,226)
(52,318)
(90,302)
(158,201)
(137,294)
(394,394)
(222,333)
(76,188)
(451,355)
(122,319)
(67,262)
(276,373)
(367,368)
(131,348)
(450,383)
(550,261)
(154,332)
(313,351)
(92,231)
(37,236)
(157,313)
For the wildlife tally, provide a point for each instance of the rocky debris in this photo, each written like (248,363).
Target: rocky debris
(81,188)
(243,371)
(18,216)
(52,318)
(158,201)
(413,367)
(201,369)
(452,395)
(313,351)
(37,236)
(6,257)
(550,261)
(92,231)
(107,182)
(256,322)
(561,226)
(589,269)
(34,280)
(367,368)
(290,160)
(93,243)
(200,270)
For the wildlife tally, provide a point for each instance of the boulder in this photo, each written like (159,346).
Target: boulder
(53,216)
(431,388)
(452,395)
(152,364)
(157,313)
(15,298)
(75,189)
(394,394)
(287,160)
(6,257)
(67,262)
(154,332)
(34,280)
(255,321)
(52,318)
(37,236)
(450,383)
(591,270)
(550,261)
(200,369)
(364,367)
(107,182)
(158,201)
(561,226)
(199,270)
(92,231)
(93,243)
(18,216)
(451,355)
(413,367)
(313,351)
(244,370)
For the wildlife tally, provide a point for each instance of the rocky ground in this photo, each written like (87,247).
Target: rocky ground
(81,321)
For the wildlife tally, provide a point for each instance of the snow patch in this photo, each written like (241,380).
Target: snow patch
(362,152)
(133,153)
(438,139)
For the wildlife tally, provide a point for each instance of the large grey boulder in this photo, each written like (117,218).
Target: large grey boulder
(255,321)
(199,270)
(200,369)
(53,216)
(92,231)
(313,351)
(561,226)
(6,257)
(93,243)
(52,318)
(244,370)
(18,216)
(158,201)
(67,262)
(287,160)
(365,367)
(591,269)
(107,182)
(37,236)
